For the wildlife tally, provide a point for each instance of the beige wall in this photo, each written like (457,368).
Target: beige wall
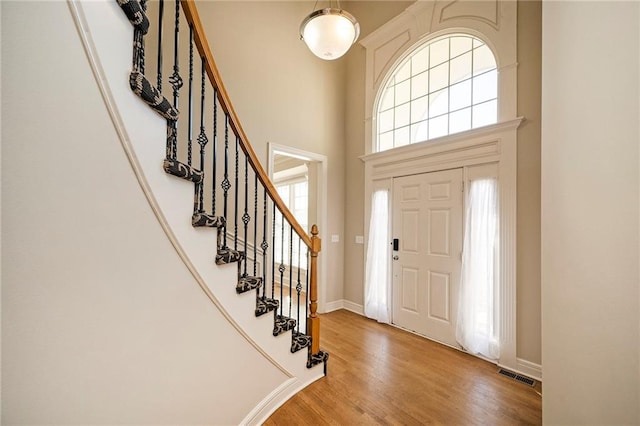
(590,212)
(528,232)
(285,95)
(101,321)
(372,15)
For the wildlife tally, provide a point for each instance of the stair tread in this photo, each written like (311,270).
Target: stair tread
(299,341)
(283,324)
(228,255)
(207,220)
(320,357)
(265,304)
(248,283)
(141,86)
(183,171)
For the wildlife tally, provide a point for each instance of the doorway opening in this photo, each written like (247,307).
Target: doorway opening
(300,177)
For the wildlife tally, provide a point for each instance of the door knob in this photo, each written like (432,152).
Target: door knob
(395,257)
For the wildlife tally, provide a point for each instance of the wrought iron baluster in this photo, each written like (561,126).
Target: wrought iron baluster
(245,217)
(306,299)
(215,150)
(264,246)
(298,285)
(190,127)
(235,220)
(138,44)
(273,253)
(138,41)
(176,80)
(225,182)
(138,50)
(202,137)
(255,227)
(281,268)
(290,267)
(160,31)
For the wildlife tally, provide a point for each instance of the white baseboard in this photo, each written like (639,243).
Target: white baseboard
(529,369)
(333,306)
(353,307)
(343,304)
(274,400)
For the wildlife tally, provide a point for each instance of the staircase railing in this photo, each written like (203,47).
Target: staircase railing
(230,185)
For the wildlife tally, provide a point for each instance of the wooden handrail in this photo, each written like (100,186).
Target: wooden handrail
(202,45)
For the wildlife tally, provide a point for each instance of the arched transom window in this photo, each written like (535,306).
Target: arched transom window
(445,86)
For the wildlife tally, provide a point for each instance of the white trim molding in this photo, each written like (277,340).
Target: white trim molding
(269,404)
(529,369)
(494,22)
(344,304)
(353,307)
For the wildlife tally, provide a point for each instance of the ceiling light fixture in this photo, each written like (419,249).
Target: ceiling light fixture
(329,32)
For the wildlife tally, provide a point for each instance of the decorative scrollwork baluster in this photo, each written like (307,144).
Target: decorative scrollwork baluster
(290,267)
(235,211)
(306,291)
(190,101)
(226,185)
(175,79)
(245,217)
(264,245)
(298,286)
(281,268)
(160,31)
(215,151)
(255,227)
(273,254)
(202,136)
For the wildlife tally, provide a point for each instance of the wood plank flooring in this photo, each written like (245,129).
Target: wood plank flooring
(379,374)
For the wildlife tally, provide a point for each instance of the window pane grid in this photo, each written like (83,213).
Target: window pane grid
(432,92)
(461,109)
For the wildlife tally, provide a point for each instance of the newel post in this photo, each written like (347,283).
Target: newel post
(313,323)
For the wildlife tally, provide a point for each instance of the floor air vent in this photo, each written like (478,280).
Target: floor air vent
(518,377)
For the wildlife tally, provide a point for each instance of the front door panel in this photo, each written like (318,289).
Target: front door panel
(427,218)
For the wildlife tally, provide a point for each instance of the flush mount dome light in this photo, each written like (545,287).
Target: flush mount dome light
(329,33)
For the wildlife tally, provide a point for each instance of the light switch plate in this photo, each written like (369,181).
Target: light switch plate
(359,239)
(335,238)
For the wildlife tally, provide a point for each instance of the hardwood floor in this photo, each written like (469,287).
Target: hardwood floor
(379,374)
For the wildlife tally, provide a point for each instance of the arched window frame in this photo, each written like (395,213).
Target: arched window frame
(395,67)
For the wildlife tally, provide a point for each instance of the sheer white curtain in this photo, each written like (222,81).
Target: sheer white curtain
(476,328)
(376,284)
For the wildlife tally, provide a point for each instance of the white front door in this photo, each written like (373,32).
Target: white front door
(427,221)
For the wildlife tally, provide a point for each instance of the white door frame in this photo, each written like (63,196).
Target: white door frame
(321,194)
(496,143)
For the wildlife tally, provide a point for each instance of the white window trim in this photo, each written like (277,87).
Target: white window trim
(494,23)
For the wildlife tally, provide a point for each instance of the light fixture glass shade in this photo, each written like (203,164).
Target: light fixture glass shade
(329,33)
